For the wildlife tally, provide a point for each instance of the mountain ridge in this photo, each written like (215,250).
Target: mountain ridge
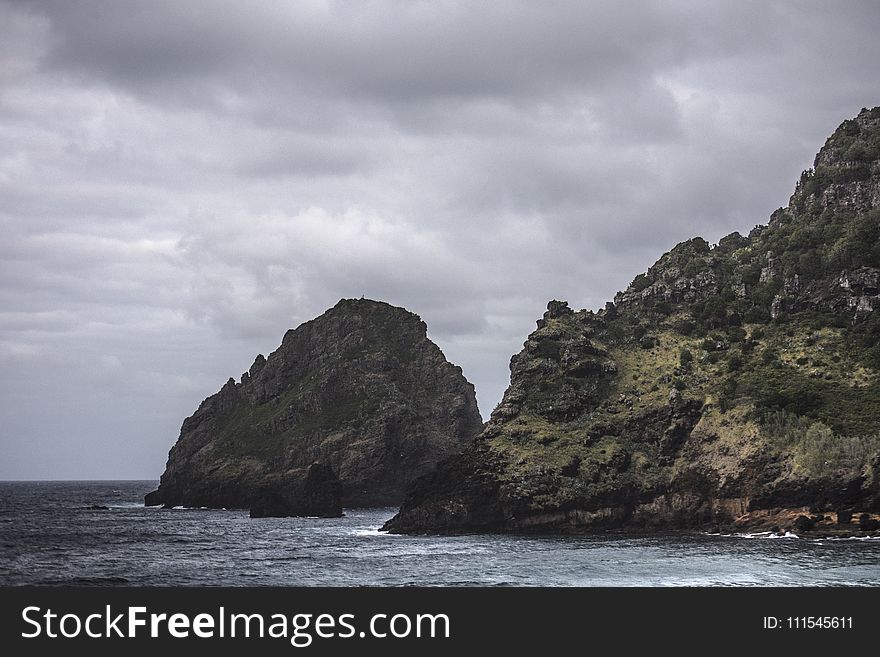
(733,385)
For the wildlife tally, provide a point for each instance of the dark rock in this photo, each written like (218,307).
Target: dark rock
(461,495)
(867,523)
(844,517)
(97,507)
(804,524)
(557,309)
(360,389)
(319,494)
(272,504)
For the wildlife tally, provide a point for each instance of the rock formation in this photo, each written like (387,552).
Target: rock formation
(733,385)
(317,493)
(361,391)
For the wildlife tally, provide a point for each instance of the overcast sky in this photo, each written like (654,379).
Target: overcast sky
(181,182)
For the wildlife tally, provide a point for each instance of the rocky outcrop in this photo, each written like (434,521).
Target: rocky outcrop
(318,493)
(360,390)
(731,386)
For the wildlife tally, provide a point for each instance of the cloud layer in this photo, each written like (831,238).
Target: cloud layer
(182,182)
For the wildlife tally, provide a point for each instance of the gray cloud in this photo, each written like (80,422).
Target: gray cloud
(182,182)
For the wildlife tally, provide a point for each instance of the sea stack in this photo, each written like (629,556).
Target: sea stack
(734,385)
(359,395)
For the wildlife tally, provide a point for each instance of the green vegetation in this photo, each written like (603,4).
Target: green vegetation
(755,342)
(695,267)
(551,349)
(810,241)
(817,449)
(826,243)
(744,286)
(855,150)
(640,282)
(252,430)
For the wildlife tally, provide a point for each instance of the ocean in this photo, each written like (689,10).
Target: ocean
(49,536)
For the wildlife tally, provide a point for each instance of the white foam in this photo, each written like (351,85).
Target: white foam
(764,535)
(371,532)
(785,535)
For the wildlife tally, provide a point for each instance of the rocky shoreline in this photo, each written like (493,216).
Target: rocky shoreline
(806,524)
(734,385)
(798,521)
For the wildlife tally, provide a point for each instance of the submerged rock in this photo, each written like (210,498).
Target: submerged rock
(360,389)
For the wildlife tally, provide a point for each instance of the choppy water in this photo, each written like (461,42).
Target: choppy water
(48,537)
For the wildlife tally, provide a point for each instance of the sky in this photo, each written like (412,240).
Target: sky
(181,182)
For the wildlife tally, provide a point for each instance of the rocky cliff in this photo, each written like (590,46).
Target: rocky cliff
(361,391)
(730,385)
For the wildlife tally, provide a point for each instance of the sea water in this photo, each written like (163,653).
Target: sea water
(48,535)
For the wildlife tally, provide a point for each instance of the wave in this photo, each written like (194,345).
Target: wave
(788,534)
(370,532)
(771,535)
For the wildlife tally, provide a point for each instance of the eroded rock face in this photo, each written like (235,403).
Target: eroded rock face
(730,385)
(360,389)
(317,493)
